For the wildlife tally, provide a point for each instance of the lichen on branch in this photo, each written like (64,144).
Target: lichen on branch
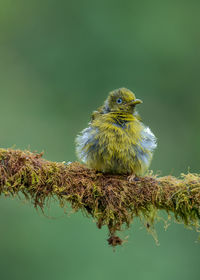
(112,200)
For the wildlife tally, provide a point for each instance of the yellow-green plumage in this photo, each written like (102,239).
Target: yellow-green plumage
(116,140)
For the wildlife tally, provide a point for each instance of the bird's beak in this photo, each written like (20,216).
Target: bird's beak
(136,101)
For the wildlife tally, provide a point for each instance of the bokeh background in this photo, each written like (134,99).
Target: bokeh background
(58,61)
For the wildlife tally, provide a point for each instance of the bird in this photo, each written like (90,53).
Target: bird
(116,141)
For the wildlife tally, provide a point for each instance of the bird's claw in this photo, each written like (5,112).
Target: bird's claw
(132,178)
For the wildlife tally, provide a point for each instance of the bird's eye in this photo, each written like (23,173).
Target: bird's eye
(119,101)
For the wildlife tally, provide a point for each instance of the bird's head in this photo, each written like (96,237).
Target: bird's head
(121,100)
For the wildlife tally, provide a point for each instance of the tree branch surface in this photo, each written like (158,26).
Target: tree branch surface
(111,200)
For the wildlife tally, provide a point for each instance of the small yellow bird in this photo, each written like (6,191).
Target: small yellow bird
(116,140)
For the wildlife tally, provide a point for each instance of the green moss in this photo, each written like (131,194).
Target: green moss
(111,200)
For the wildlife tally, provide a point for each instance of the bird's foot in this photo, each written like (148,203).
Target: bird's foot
(132,178)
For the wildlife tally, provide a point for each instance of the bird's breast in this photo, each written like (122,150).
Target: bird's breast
(118,132)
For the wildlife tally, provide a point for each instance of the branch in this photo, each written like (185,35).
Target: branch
(112,200)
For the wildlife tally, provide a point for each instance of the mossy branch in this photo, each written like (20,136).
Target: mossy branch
(112,200)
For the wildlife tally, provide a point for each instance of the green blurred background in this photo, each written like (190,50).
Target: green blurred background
(58,61)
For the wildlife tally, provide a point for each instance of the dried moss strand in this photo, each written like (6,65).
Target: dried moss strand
(112,200)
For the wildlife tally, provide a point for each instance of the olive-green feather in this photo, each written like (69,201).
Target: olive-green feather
(116,140)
